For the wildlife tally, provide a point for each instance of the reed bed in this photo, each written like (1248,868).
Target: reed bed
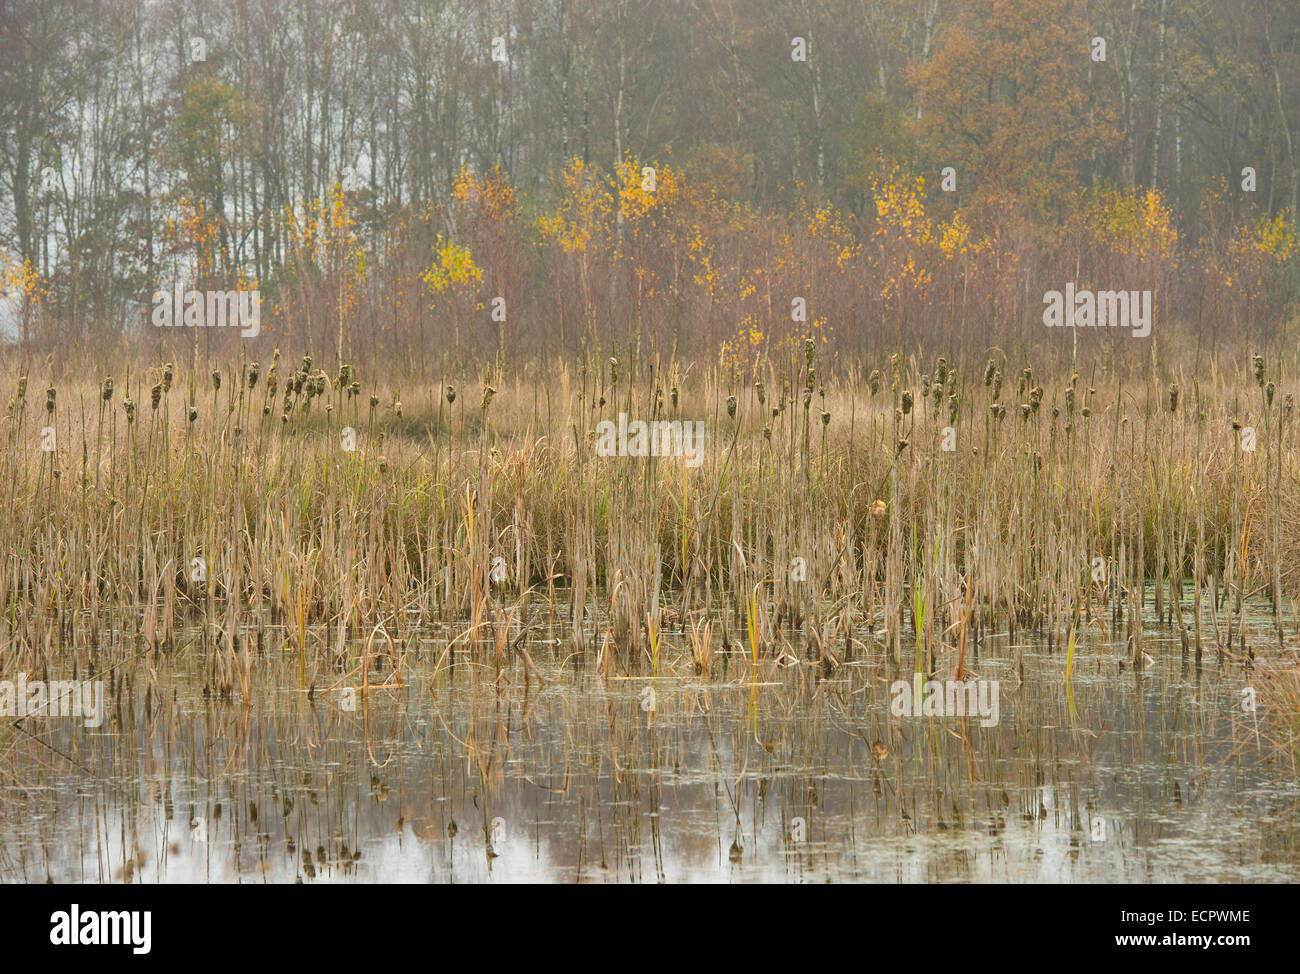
(906,507)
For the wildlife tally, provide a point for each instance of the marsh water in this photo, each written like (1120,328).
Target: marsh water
(440,774)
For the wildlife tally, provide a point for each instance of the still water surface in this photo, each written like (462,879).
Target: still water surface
(1156,776)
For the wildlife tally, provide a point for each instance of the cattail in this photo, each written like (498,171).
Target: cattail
(673,396)
(1173,397)
(106,389)
(941,370)
(613,371)
(760,389)
(254,371)
(812,378)
(1269,391)
(1259,369)
(907,401)
(49,399)
(374,400)
(808,348)
(397,407)
(194,414)
(873,380)
(952,408)
(925,385)
(488,393)
(451,394)
(1069,400)
(988,372)
(155,396)
(1025,410)
(216,380)
(129,405)
(22,388)
(826,418)
(807,398)
(1288,404)
(731,407)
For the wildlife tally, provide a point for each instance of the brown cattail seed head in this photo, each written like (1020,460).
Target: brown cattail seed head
(1259,369)
(49,399)
(731,406)
(216,380)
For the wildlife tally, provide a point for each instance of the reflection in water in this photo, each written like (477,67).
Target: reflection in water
(1158,775)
